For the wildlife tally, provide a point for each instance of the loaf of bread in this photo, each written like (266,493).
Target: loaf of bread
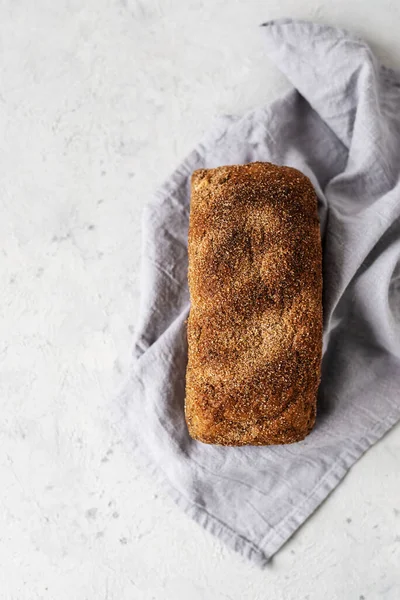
(255,322)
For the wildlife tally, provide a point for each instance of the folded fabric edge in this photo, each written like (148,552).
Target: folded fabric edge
(278,537)
(275,24)
(274,539)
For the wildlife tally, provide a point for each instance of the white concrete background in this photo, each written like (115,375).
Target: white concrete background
(99,100)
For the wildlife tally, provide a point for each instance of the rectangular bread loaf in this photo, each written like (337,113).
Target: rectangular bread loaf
(255,323)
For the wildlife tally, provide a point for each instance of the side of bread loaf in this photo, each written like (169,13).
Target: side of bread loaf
(255,323)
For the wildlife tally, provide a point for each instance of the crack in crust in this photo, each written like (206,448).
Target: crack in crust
(255,323)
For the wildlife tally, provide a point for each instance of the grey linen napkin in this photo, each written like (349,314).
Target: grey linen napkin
(341,127)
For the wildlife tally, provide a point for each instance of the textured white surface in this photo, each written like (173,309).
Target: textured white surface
(85,88)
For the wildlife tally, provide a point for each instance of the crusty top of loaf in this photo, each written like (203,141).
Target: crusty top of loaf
(255,325)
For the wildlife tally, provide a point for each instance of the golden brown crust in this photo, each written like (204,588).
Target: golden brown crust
(255,323)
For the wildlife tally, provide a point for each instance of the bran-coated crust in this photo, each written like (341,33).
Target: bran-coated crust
(255,323)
